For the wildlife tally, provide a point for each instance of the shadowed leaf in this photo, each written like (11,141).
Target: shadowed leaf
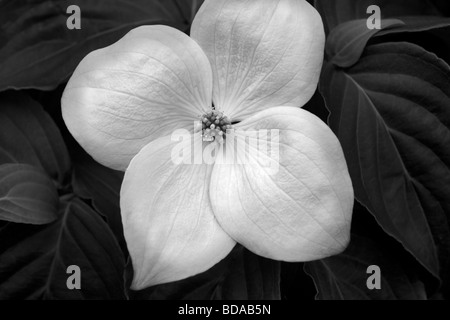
(27,195)
(38,51)
(29,136)
(93,181)
(344,277)
(35,267)
(336,12)
(390,112)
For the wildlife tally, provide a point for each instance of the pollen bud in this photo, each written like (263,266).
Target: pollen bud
(214,126)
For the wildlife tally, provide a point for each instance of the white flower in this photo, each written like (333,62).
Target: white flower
(258,61)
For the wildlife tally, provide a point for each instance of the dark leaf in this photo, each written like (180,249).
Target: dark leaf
(251,277)
(336,12)
(443,6)
(27,195)
(295,284)
(431,33)
(345,276)
(35,267)
(189,8)
(419,24)
(391,113)
(93,181)
(241,276)
(29,136)
(346,42)
(37,50)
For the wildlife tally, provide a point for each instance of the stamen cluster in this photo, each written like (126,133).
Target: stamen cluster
(214,126)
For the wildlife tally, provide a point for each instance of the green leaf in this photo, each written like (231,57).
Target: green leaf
(38,51)
(336,12)
(390,112)
(27,195)
(29,136)
(344,277)
(91,180)
(35,267)
(241,276)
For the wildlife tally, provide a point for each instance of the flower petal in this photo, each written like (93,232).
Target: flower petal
(151,82)
(264,53)
(299,210)
(168,222)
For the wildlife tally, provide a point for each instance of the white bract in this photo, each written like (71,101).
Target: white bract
(259,62)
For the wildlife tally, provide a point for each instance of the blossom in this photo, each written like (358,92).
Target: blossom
(256,62)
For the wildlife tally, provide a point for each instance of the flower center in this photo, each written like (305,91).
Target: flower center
(214,126)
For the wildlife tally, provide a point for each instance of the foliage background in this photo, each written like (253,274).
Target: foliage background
(386,95)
